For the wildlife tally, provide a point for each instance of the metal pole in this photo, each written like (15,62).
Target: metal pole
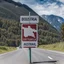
(29,17)
(29,48)
(30,55)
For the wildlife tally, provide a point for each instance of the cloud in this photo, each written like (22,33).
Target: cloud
(28,1)
(16,0)
(40,9)
(51,9)
(61,1)
(45,9)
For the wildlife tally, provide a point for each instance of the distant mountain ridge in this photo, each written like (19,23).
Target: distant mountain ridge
(55,21)
(11,10)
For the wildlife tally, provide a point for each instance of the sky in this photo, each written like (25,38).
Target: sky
(45,7)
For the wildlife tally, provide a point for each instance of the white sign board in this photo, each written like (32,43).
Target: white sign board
(29,35)
(29,19)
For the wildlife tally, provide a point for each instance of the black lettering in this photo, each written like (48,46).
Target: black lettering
(29,19)
(29,44)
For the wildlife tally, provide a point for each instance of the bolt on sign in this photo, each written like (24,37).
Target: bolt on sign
(29,31)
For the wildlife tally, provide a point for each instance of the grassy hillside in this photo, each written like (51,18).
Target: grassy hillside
(57,46)
(10,28)
(4,49)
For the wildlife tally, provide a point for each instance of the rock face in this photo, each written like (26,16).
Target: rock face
(55,21)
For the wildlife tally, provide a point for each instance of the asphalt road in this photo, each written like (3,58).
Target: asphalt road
(39,56)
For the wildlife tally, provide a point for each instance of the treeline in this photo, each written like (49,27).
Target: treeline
(48,35)
(10,33)
(62,31)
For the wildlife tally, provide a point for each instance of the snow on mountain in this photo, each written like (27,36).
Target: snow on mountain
(55,21)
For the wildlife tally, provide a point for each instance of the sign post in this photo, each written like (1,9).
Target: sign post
(30,55)
(29,32)
(29,48)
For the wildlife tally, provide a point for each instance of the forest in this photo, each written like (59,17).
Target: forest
(10,33)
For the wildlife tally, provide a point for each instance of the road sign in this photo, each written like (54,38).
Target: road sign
(29,19)
(29,30)
(29,35)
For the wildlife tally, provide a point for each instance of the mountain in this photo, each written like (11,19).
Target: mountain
(55,21)
(13,10)
(10,13)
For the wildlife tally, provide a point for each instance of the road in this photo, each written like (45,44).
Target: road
(39,56)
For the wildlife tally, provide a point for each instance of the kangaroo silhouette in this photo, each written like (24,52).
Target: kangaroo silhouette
(29,31)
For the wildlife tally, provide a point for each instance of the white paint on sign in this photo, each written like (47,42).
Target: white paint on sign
(29,19)
(29,31)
